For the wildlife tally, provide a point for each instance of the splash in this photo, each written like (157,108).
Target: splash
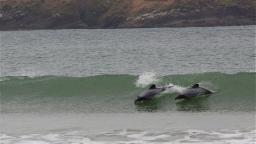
(147,78)
(171,88)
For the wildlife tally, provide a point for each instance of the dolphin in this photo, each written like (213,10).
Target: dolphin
(193,91)
(150,93)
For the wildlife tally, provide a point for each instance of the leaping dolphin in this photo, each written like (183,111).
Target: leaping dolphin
(150,93)
(193,91)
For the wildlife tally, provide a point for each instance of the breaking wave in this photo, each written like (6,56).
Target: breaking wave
(116,93)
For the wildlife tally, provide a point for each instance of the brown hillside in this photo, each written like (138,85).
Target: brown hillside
(54,14)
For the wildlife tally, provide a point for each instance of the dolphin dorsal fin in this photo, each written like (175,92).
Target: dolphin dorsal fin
(153,86)
(195,86)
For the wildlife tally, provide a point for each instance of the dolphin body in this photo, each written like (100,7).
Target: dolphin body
(150,93)
(193,91)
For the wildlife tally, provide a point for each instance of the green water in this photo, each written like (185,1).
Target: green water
(116,93)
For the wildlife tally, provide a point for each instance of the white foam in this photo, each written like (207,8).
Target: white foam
(146,79)
(135,136)
(51,137)
(32,142)
(28,136)
(171,88)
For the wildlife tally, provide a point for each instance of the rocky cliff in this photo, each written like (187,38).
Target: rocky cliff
(60,14)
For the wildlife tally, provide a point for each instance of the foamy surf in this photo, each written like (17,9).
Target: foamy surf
(128,136)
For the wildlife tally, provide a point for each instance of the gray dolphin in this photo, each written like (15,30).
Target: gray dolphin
(193,91)
(150,93)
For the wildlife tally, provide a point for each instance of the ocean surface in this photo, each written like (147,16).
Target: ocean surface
(79,86)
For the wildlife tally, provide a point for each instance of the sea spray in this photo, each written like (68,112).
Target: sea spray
(171,88)
(147,78)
